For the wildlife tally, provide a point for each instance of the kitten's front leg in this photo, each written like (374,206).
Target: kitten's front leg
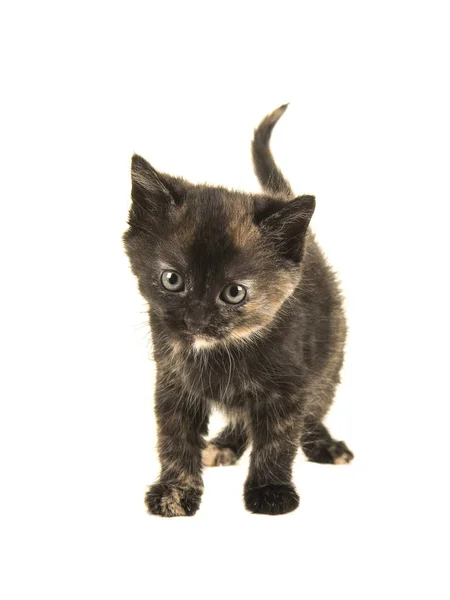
(275,424)
(182,423)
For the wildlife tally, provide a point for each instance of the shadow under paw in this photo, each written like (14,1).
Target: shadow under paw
(169,500)
(274,499)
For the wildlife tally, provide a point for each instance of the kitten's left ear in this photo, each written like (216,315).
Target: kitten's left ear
(287,227)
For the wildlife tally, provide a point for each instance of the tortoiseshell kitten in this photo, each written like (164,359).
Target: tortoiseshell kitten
(245,316)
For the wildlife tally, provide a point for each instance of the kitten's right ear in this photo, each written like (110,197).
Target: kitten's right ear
(151,189)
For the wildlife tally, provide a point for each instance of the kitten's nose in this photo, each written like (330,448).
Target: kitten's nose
(195,325)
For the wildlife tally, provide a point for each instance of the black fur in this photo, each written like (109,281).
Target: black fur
(270,363)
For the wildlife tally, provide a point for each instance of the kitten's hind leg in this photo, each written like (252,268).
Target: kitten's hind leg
(320,447)
(228,447)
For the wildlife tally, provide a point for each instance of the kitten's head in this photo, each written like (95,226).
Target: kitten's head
(215,265)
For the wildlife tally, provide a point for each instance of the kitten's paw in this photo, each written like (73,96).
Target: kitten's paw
(169,500)
(213,456)
(341,454)
(271,499)
(336,453)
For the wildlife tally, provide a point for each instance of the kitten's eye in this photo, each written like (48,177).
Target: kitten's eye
(172,281)
(233,294)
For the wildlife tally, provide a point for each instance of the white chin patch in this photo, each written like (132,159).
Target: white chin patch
(201,343)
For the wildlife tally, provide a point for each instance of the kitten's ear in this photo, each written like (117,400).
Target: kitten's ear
(286,227)
(150,188)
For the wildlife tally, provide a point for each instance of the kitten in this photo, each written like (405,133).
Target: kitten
(245,316)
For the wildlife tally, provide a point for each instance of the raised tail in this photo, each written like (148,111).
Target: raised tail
(269,175)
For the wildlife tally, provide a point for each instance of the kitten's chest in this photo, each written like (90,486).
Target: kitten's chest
(221,379)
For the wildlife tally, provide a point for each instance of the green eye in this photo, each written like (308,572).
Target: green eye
(172,281)
(233,294)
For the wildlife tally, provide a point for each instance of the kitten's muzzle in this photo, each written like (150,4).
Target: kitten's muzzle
(195,325)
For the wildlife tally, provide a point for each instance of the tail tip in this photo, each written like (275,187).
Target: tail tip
(276,114)
(268,123)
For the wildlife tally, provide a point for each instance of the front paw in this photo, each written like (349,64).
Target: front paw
(171,500)
(273,499)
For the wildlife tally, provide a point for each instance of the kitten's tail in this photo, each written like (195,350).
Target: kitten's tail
(269,175)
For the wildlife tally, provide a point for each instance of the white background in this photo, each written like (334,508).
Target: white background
(86,84)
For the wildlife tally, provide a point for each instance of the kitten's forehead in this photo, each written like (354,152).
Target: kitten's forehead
(216,228)
(218,208)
